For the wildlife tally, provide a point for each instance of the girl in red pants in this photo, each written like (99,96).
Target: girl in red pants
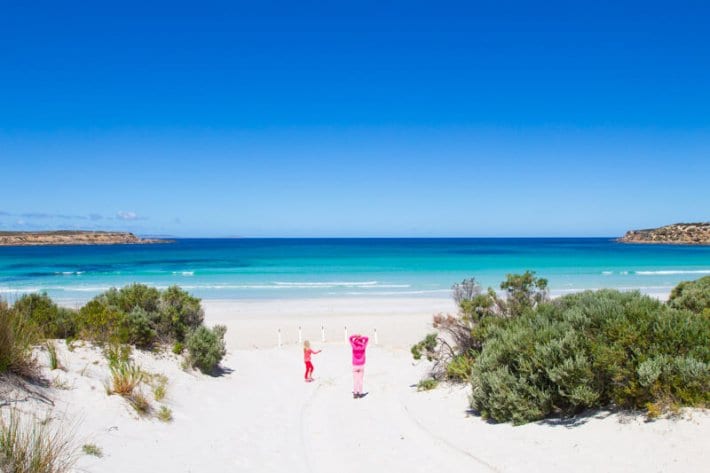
(307,352)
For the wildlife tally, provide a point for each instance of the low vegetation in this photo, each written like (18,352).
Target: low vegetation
(136,315)
(206,348)
(30,446)
(125,377)
(17,335)
(93,450)
(164,414)
(528,358)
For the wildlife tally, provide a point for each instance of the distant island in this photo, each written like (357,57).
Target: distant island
(676,234)
(71,237)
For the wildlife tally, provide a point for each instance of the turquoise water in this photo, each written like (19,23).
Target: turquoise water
(303,268)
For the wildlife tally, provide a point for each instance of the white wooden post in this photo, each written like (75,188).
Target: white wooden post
(376,340)
(346,334)
(322,333)
(300,339)
(279,338)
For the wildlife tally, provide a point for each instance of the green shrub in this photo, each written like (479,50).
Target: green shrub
(180,314)
(460,367)
(178,348)
(51,320)
(140,315)
(134,295)
(427,384)
(592,349)
(692,295)
(206,348)
(523,292)
(101,323)
(138,328)
(427,347)
(17,335)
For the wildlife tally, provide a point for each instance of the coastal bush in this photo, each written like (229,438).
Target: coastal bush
(30,446)
(180,314)
(692,295)
(459,339)
(101,323)
(206,348)
(50,320)
(592,349)
(138,329)
(141,315)
(17,335)
(134,295)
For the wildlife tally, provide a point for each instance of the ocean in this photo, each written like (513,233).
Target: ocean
(315,268)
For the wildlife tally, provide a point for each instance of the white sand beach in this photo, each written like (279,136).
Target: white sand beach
(260,415)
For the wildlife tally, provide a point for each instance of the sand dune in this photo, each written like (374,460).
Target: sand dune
(260,415)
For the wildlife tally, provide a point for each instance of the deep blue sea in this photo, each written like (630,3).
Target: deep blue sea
(305,268)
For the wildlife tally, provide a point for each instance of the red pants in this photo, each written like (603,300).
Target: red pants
(309,370)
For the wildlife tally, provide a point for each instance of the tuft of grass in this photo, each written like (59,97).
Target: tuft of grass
(178,348)
(427,384)
(92,449)
(125,377)
(140,403)
(17,336)
(116,353)
(159,392)
(30,446)
(53,359)
(159,385)
(165,414)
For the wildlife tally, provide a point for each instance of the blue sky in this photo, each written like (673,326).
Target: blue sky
(368,119)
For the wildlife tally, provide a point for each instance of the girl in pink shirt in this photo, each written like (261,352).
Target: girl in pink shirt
(307,352)
(358,344)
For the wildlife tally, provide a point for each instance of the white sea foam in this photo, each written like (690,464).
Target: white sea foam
(184,273)
(397,293)
(672,271)
(327,284)
(607,273)
(304,285)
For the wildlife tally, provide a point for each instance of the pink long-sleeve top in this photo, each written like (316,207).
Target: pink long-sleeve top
(359,344)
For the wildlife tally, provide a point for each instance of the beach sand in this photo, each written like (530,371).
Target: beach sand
(259,415)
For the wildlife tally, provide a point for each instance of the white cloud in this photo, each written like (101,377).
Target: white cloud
(125,215)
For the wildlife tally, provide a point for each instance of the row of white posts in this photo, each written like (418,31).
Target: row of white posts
(322,335)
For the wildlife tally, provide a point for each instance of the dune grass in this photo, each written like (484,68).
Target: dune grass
(125,377)
(30,446)
(93,450)
(53,358)
(17,336)
(164,414)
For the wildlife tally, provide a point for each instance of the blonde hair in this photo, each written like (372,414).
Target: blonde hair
(306,344)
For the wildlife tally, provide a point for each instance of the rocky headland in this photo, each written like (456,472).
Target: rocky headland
(676,234)
(69,237)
